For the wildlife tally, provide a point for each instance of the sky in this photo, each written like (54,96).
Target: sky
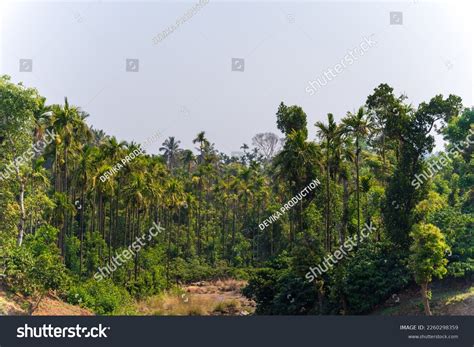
(226,68)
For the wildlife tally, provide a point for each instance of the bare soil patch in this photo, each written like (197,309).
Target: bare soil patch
(12,304)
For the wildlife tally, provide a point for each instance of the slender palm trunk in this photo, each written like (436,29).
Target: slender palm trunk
(233,234)
(81,253)
(345,213)
(136,253)
(111,214)
(328,198)
(357,186)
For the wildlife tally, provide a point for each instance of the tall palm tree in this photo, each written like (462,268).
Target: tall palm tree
(203,142)
(170,149)
(175,199)
(296,165)
(187,158)
(328,133)
(113,150)
(136,195)
(357,125)
(199,179)
(71,131)
(84,179)
(343,159)
(42,116)
(98,136)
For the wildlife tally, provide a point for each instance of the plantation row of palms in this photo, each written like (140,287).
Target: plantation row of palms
(210,204)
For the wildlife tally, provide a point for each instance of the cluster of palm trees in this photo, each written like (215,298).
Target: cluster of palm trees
(338,144)
(203,200)
(209,203)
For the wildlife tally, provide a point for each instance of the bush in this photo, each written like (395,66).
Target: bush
(368,278)
(457,228)
(277,289)
(151,280)
(281,292)
(72,257)
(36,266)
(354,286)
(102,297)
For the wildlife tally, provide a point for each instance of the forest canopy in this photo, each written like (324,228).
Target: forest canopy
(61,221)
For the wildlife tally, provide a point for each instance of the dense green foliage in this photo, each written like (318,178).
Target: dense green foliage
(68,211)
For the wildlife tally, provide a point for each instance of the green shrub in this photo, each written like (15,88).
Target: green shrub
(369,277)
(354,286)
(277,289)
(36,267)
(102,297)
(72,257)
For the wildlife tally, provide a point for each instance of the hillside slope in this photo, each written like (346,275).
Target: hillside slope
(13,305)
(449,298)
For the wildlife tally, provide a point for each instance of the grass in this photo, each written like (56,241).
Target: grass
(220,297)
(459,297)
(229,285)
(447,298)
(3,310)
(170,304)
(9,306)
(226,307)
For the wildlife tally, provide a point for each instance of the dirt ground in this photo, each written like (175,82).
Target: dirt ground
(15,305)
(51,306)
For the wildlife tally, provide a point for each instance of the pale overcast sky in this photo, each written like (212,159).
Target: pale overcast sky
(185,83)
